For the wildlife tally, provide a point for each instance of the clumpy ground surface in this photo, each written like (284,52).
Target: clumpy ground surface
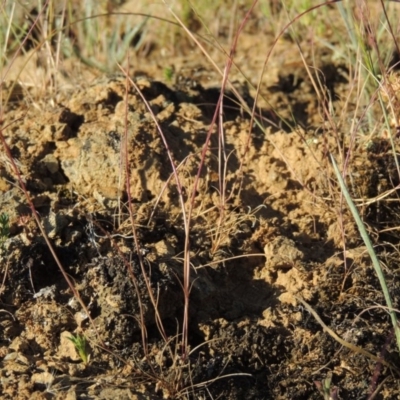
(283,232)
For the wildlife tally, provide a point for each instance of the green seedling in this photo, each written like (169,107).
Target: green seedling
(4,229)
(82,347)
(324,387)
(168,73)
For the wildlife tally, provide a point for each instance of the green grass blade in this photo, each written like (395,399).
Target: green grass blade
(367,241)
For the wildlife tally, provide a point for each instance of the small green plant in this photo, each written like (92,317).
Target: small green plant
(168,73)
(82,347)
(324,387)
(4,229)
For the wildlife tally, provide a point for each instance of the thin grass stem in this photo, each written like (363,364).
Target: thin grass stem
(371,251)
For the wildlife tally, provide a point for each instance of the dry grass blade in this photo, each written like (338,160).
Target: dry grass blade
(348,345)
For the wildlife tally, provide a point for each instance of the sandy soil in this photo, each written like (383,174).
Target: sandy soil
(284,233)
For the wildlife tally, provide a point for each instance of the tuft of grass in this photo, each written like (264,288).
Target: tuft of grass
(82,347)
(168,73)
(327,391)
